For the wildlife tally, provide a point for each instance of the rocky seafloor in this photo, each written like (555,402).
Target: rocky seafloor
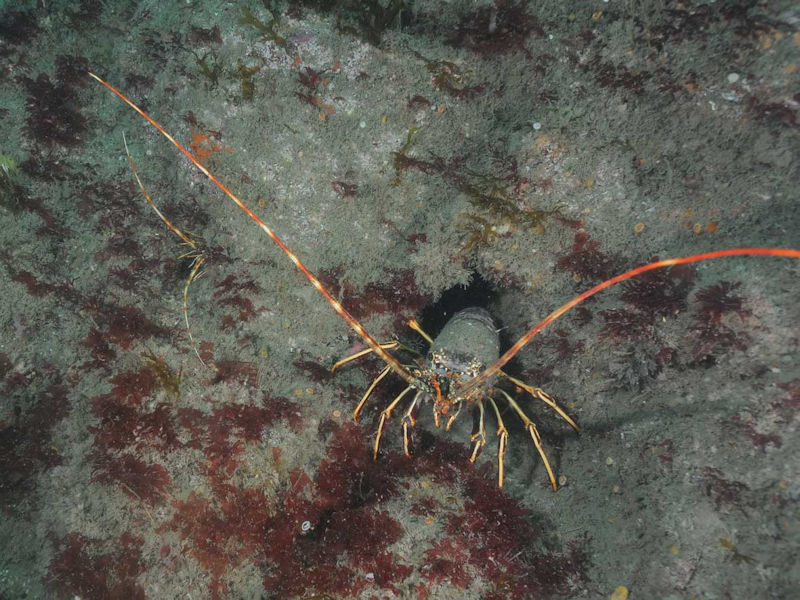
(419,157)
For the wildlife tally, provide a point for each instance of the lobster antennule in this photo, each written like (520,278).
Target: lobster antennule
(478,383)
(340,310)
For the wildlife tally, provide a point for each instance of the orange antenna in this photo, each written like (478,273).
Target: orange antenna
(354,324)
(476,384)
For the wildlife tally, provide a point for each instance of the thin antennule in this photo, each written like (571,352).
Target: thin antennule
(476,384)
(340,310)
(196,254)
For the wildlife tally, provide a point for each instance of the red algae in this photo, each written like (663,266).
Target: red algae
(99,350)
(125,429)
(626,325)
(712,339)
(19,27)
(314,370)
(133,386)
(119,325)
(418,101)
(562,346)
(80,569)
(33,286)
(25,449)
(662,292)
(128,324)
(303,539)
(349,489)
(488,538)
(222,537)
(787,406)
(238,524)
(747,426)
(114,204)
(124,426)
(53,116)
(229,293)
(120,245)
(618,76)
(710,333)
(447,561)
(723,491)
(242,372)
(138,479)
(717,300)
(496,29)
(222,434)
(396,293)
(128,278)
(585,261)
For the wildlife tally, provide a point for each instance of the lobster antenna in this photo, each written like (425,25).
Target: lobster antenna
(477,383)
(340,310)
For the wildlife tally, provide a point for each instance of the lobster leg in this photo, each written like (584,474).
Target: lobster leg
(386,346)
(366,395)
(479,436)
(452,417)
(385,415)
(530,427)
(409,420)
(502,439)
(540,394)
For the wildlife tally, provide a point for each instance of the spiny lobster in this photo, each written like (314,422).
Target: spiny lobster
(463,362)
